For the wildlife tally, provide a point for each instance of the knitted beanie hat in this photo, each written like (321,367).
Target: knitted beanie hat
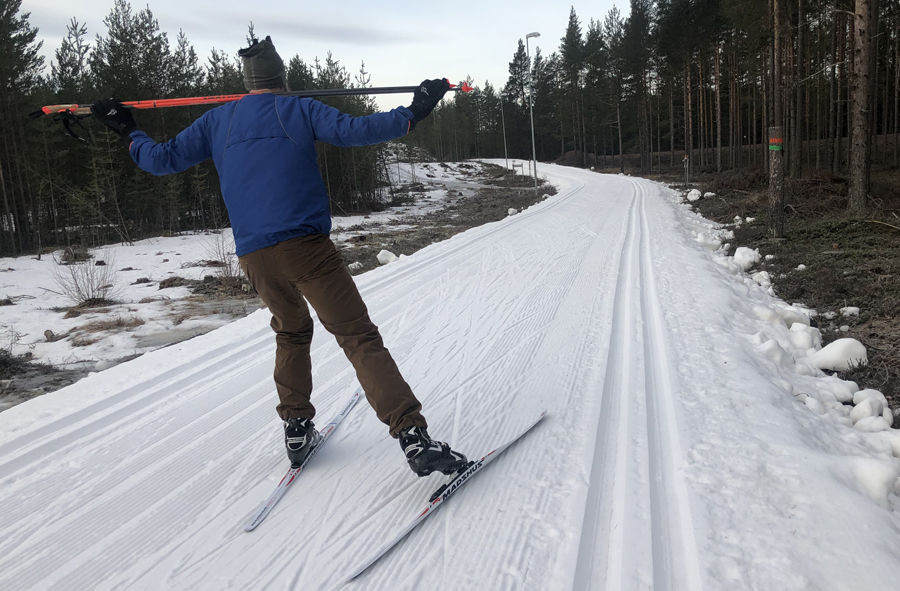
(262,65)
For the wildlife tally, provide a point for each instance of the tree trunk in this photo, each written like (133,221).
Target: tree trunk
(860,164)
(718,78)
(776,141)
(797,132)
(896,95)
(671,126)
(837,156)
(619,125)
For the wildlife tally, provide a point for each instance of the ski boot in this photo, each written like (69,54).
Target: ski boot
(426,455)
(300,437)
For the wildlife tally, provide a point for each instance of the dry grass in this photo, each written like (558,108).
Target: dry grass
(115,323)
(83,341)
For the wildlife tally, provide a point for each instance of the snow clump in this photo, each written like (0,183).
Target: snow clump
(841,355)
(746,257)
(842,390)
(870,407)
(708,241)
(385,257)
(512,211)
(749,220)
(355,266)
(693,195)
(775,352)
(708,194)
(850,311)
(875,478)
(861,396)
(762,278)
(770,257)
(801,267)
(804,337)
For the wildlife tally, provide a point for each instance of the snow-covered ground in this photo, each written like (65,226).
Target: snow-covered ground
(154,317)
(691,441)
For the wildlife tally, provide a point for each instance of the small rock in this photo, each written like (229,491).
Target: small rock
(100,264)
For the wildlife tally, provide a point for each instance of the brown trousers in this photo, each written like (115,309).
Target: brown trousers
(310,267)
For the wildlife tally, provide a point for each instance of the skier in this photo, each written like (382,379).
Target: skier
(263,147)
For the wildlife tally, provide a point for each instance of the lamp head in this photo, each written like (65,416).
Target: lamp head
(530,35)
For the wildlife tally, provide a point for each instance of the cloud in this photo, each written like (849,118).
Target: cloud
(293,30)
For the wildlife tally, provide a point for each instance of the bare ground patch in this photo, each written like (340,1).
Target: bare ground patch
(850,261)
(489,204)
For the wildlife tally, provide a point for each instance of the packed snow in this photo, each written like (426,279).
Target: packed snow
(691,441)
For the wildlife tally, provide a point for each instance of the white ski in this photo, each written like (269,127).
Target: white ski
(441,495)
(293,472)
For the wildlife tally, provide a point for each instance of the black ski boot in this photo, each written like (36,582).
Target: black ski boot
(300,436)
(426,455)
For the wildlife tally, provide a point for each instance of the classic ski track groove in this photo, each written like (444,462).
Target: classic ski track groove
(191,452)
(624,544)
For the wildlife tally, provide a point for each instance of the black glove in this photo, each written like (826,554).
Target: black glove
(426,98)
(116,116)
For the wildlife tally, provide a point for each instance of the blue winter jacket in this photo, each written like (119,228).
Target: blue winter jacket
(264,149)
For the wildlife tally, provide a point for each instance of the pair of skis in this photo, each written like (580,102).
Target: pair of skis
(435,501)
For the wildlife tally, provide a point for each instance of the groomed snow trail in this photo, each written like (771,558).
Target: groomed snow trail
(641,476)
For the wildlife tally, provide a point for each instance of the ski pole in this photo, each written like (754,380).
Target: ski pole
(83,110)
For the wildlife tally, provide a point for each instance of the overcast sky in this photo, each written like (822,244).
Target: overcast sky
(402,42)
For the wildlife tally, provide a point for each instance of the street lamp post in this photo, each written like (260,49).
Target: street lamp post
(531,106)
(503,121)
